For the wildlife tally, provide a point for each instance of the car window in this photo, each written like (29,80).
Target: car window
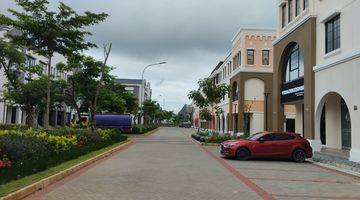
(269,137)
(256,136)
(284,136)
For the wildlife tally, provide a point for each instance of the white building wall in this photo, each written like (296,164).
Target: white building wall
(257,122)
(339,71)
(299,118)
(254,90)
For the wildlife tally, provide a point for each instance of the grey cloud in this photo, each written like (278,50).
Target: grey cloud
(191,35)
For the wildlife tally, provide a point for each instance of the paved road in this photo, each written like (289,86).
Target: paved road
(169,166)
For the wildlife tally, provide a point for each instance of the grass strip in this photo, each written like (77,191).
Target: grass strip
(15,185)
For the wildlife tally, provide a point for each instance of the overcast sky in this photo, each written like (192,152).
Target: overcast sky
(192,36)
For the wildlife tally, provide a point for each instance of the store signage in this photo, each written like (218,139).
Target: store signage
(292,91)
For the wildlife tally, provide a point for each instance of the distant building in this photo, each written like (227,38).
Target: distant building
(140,88)
(186,113)
(251,82)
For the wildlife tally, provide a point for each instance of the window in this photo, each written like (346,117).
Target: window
(30,61)
(239,58)
(306,4)
(297,7)
(283,15)
(290,10)
(265,57)
(235,92)
(333,34)
(250,56)
(44,66)
(294,65)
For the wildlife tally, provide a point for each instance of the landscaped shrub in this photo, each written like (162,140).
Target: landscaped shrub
(13,127)
(218,138)
(26,152)
(145,128)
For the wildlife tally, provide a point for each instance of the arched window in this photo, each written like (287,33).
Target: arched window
(294,65)
(235,91)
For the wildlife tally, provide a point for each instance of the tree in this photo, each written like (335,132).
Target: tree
(115,99)
(12,61)
(79,93)
(150,109)
(47,32)
(208,96)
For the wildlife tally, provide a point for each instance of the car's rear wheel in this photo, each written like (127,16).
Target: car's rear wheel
(242,154)
(299,156)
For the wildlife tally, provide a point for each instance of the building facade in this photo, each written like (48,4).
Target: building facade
(251,81)
(141,90)
(337,98)
(224,73)
(316,63)
(13,114)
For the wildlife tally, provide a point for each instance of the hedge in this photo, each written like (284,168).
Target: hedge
(27,152)
(212,137)
(145,128)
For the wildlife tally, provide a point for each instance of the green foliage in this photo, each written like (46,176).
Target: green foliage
(214,137)
(32,151)
(150,110)
(13,127)
(81,87)
(47,32)
(218,138)
(12,61)
(208,95)
(205,114)
(136,129)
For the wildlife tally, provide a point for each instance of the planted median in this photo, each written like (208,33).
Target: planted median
(27,156)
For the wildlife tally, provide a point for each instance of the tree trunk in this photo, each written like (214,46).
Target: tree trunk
(47,108)
(29,117)
(77,108)
(107,53)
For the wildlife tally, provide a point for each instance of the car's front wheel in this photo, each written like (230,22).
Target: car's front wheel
(299,156)
(242,154)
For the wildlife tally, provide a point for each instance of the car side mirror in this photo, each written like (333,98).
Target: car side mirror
(261,140)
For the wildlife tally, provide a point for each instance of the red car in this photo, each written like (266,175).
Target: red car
(268,145)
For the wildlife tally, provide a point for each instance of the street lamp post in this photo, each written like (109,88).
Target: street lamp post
(266,110)
(143,89)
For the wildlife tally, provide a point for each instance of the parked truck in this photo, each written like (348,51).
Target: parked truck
(121,122)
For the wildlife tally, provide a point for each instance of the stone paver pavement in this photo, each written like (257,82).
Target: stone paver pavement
(169,166)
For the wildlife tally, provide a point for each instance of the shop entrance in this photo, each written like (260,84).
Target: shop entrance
(334,122)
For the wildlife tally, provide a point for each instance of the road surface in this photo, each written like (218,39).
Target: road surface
(168,165)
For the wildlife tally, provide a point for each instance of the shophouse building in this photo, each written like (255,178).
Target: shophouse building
(11,113)
(251,81)
(224,72)
(316,64)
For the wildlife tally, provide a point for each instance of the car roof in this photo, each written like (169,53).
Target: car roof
(278,132)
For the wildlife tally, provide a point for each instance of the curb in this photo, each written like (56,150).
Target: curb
(28,190)
(210,144)
(337,170)
(152,131)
